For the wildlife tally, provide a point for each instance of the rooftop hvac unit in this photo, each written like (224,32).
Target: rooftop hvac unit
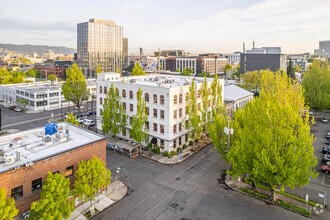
(47,139)
(67,132)
(9,157)
(41,133)
(61,136)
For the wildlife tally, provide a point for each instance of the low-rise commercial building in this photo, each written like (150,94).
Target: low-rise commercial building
(27,157)
(235,97)
(166,97)
(57,68)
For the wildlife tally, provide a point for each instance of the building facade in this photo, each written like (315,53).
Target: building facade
(99,42)
(166,97)
(41,95)
(273,62)
(233,59)
(27,157)
(57,68)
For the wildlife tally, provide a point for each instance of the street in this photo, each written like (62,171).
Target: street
(189,190)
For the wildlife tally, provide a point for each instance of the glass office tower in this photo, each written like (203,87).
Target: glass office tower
(99,42)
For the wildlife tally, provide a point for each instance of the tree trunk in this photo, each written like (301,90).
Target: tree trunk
(273,196)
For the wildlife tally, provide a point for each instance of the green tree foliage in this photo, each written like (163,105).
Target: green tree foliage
(114,115)
(23,103)
(316,84)
(54,200)
(227,67)
(137,70)
(207,74)
(4,73)
(90,177)
(251,80)
(75,89)
(237,73)
(38,73)
(297,69)
(7,206)
(139,131)
(99,69)
(272,141)
(178,70)
(186,72)
(204,110)
(31,73)
(290,70)
(72,119)
(217,105)
(52,77)
(193,123)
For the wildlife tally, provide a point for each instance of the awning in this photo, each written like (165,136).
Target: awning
(153,140)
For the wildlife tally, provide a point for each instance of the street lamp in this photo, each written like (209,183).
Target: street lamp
(228,131)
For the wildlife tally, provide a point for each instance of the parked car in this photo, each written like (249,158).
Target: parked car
(6,105)
(326,158)
(18,109)
(66,116)
(110,146)
(325,168)
(328,142)
(12,107)
(81,107)
(80,120)
(92,112)
(328,137)
(311,113)
(326,149)
(324,120)
(88,122)
(119,148)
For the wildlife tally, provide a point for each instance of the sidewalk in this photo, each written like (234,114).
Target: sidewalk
(116,191)
(235,185)
(186,153)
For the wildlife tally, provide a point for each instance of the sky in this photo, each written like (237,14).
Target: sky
(215,26)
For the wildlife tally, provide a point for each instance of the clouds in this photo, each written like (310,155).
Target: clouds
(195,26)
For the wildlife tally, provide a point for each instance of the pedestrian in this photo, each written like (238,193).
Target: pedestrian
(253,185)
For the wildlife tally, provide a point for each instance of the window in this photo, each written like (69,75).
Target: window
(186,138)
(174,129)
(130,120)
(123,93)
(155,127)
(101,112)
(180,141)
(100,100)
(155,113)
(124,132)
(175,100)
(180,126)
(162,100)
(146,97)
(155,99)
(36,184)
(100,89)
(147,125)
(199,94)
(69,171)
(105,90)
(175,114)
(17,192)
(162,143)
(180,98)
(56,172)
(161,129)
(131,108)
(174,143)
(162,114)
(187,96)
(131,94)
(180,112)
(147,110)
(124,106)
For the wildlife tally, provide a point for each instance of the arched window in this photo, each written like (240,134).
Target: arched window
(199,94)
(105,90)
(175,100)
(155,99)
(146,97)
(100,89)
(162,100)
(130,94)
(180,98)
(124,93)
(187,96)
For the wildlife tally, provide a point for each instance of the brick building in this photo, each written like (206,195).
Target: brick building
(27,157)
(57,68)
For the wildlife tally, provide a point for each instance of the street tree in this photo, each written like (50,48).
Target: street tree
(316,84)
(72,119)
(297,69)
(52,77)
(251,80)
(204,110)
(139,131)
(75,89)
(90,177)
(186,72)
(227,67)
(272,142)
(114,115)
(31,73)
(193,122)
(7,206)
(178,70)
(23,103)
(290,70)
(137,70)
(217,105)
(54,202)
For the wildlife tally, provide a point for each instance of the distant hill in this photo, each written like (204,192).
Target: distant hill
(39,49)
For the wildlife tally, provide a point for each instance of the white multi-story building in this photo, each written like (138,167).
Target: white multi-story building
(234,58)
(40,95)
(186,63)
(166,97)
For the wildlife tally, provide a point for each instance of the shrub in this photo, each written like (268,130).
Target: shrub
(184,146)
(179,149)
(191,143)
(294,208)
(259,195)
(165,154)
(196,140)
(149,146)
(157,150)
(120,138)
(296,198)
(172,153)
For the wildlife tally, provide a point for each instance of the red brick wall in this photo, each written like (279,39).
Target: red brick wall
(23,176)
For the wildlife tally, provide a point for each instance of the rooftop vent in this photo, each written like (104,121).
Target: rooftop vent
(47,139)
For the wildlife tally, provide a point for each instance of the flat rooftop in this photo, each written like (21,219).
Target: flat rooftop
(234,93)
(25,148)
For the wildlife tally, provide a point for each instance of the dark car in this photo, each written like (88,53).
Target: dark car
(325,168)
(92,112)
(328,142)
(328,136)
(326,158)
(326,149)
(12,107)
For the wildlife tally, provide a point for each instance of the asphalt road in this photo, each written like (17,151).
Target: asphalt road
(189,190)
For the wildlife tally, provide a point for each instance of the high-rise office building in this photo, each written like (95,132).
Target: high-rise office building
(99,42)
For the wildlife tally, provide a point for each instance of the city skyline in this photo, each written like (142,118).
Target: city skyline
(197,27)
